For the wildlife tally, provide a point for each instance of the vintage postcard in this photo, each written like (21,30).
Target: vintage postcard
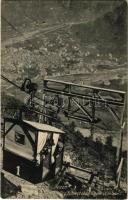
(63,99)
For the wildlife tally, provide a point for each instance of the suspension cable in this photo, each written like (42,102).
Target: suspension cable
(6,79)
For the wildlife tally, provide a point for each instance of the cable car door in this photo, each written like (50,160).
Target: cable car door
(46,158)
(59,154)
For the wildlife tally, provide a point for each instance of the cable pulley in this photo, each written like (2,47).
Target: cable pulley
(29,87)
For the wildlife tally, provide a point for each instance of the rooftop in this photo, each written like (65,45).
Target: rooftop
(43,127)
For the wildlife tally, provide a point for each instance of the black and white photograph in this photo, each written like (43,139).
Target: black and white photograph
(63,99)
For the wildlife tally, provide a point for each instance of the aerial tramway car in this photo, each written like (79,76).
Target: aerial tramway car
(32,150)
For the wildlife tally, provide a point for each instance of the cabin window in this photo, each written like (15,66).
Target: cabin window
(19,138)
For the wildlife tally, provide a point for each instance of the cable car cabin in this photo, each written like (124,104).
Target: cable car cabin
(32,150)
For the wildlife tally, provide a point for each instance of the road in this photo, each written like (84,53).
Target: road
(29,35)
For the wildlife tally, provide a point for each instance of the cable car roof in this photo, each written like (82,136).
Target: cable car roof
(43,127)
